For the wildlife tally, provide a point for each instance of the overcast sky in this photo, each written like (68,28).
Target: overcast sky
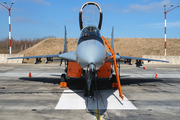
(130,18)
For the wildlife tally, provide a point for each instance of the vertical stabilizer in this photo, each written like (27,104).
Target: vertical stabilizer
(65,41)
(112,38)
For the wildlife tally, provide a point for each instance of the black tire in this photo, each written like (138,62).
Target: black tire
(113,79)
(63,78)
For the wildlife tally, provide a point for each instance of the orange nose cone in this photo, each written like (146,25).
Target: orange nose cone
(29,74)
(156,76)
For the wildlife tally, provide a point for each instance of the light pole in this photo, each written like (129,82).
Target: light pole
(165,12)
(9,9)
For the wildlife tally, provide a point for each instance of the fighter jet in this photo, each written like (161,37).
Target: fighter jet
(90,58)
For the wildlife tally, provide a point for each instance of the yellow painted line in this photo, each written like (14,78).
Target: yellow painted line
(97,113)
(169,68)
(47,67)
(7,67)
(160,68)
(52,67)
(127,67)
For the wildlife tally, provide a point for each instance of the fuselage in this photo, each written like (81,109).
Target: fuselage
(90,48)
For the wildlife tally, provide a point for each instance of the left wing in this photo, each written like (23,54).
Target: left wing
(135,58)
(139,62)
(128,60)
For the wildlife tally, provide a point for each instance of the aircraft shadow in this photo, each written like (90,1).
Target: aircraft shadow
(130,81)
(42,79)
(74,84)
(100,98)
(55,75)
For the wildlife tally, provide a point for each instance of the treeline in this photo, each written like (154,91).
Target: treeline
(19,45)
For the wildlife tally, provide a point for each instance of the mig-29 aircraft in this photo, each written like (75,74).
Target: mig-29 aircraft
(90,58)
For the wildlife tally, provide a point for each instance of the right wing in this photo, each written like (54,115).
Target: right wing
(71,56)
(41,56)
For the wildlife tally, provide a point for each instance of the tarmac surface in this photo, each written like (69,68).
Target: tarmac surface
(41,98)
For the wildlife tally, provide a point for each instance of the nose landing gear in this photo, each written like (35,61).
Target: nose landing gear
(89,85)
(89,93)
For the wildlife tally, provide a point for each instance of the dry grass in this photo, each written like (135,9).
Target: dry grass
(135,47)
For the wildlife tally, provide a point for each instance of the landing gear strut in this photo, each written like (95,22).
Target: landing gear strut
(89,93)
(89,84)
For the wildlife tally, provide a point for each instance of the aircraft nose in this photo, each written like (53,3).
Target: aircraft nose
(91,52)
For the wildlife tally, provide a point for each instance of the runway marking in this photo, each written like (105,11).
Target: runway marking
(168,68)
(2,59)
(97,114)
(127,67)
(52,67)
(74,99)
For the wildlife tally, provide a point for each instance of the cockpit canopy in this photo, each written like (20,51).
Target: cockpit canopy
(90,30)
(90,14)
